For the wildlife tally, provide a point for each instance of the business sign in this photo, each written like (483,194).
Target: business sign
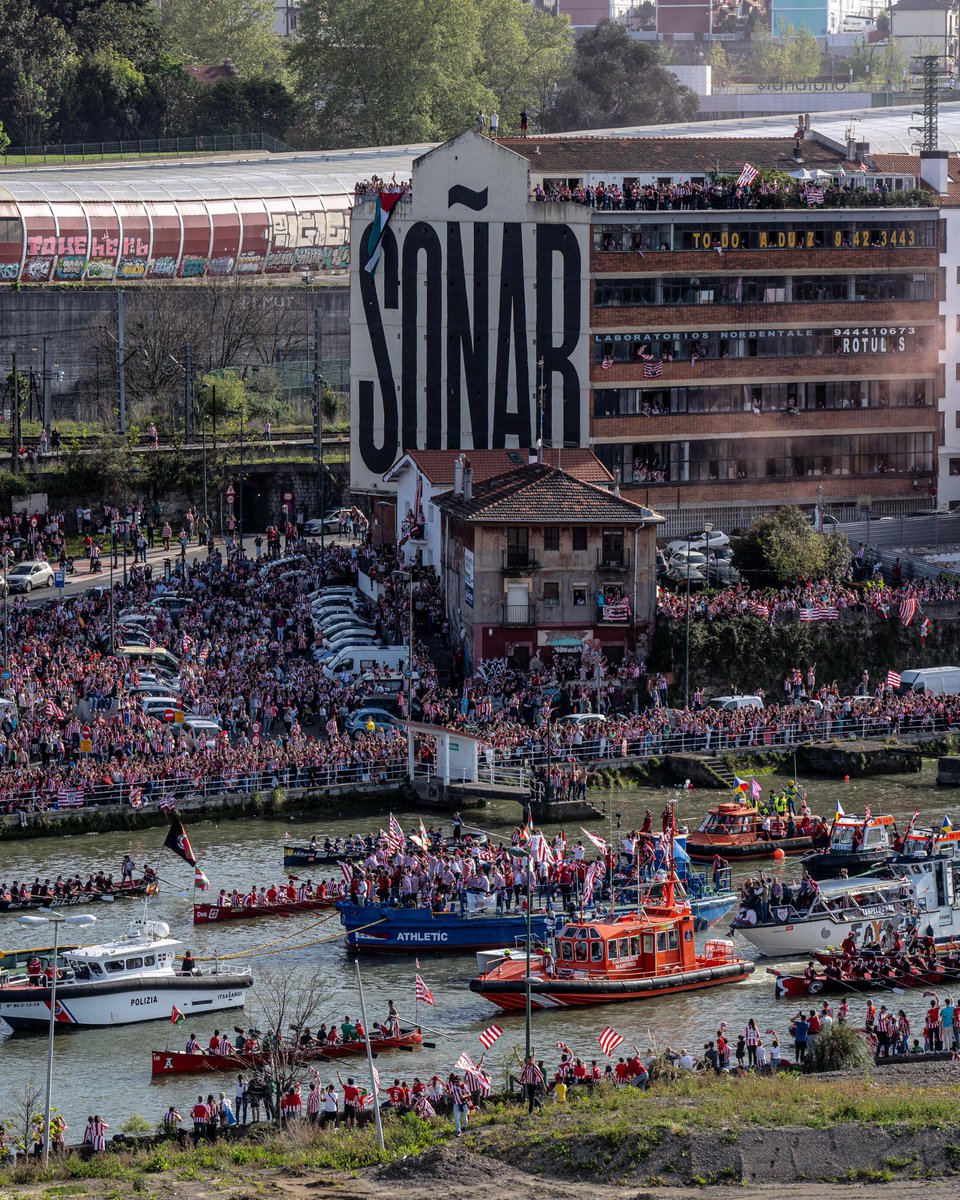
(468,577)
(478,306)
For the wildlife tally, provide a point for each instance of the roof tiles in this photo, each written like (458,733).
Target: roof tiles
(437,465)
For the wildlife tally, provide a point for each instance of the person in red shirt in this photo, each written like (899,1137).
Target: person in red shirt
(199,1114)
(351,1100)
(272,894)
(395,1093)
(620,1071)
(214,1044)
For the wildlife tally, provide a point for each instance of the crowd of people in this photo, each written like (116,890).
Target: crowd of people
(687,195)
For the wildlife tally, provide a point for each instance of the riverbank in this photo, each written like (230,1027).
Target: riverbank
(842,1129)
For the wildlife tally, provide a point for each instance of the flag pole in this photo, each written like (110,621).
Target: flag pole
(416,996)
(373,1077)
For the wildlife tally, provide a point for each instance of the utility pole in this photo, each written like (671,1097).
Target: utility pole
(121,367)
(318,423)
(188,393)
(46,386)
(15,419)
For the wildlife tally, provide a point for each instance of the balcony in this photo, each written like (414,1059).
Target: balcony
(517,560)
(519,614)
(612,560)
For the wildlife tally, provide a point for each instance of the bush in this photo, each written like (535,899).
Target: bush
(839,1048)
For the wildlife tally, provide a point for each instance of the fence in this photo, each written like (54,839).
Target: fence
(165,793)
(215,143)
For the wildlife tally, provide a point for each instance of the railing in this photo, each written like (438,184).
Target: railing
(610,560)
(519,614)
(517,558)
(165,793)
(216,143)
(657,743)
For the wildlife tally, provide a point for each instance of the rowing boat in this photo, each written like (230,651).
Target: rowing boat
(206,914)
(178,1062)
(121,891)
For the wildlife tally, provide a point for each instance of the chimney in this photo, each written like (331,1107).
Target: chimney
(467,480)
(851,150)
(935,170)
(532,455)
(616,482)
(458,475)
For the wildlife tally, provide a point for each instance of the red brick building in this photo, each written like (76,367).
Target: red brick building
(743,358)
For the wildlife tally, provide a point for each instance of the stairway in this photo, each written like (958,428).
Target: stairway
(719,768)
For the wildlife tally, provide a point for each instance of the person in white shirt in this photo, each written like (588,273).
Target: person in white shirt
(774,1055)
(331,1106)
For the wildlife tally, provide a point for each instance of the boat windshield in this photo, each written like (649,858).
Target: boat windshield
(721,822)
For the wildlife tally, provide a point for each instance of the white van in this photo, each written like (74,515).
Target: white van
(938,681)
(731,703)
(354,660)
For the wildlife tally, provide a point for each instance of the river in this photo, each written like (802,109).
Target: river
(108,1071)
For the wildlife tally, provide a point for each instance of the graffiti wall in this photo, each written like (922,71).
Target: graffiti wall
(98,241)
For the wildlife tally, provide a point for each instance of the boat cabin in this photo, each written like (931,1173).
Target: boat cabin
(851,900)
(730,819)
(630,943)
(924,843)
(145,949)
(851,835)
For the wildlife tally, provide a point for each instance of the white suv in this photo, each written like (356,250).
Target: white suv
(28,575)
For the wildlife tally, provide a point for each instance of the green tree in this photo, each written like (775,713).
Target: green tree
(719,64)
(523,52)
(604,86)
(799,54)
(764,56)
(208,31)
(785,547)
(103,100)
(243,106)
(382,72)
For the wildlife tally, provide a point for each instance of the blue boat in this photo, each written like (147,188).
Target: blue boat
(384,927)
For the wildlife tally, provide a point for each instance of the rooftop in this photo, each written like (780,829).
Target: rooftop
(437,465)
(565,155)
(537,493)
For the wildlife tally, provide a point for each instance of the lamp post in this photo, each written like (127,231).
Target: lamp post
(707,530)
(517,852)
(56,919)
(113,547)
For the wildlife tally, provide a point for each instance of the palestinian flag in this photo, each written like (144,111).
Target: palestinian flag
(386,203)
(176,1016)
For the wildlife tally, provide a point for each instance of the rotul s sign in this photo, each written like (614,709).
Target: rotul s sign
(476,286)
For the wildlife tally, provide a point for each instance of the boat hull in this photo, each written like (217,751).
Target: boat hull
(830,865)
(178,1062)
(700,849)
(94,1005)
(710,909)
(138,890)
(510,994)
(378,929)
(790,986)
(207,914)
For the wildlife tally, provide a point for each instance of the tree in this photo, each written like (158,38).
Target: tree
(799,54)
(720,66)
(291,1008)
(242,105)
(208,31)
(524,51)
(383,72)
(604,87)
(104,98)
(785,547)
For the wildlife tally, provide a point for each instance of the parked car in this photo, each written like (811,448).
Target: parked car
(358,721)
(29,575)
(730,703)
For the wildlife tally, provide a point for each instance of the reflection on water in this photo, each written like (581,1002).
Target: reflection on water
(108,1071)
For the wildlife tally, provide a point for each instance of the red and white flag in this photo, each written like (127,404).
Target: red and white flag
(594,872)
(564,1048)
(424,995)
(347,872)
(893,679)
(465,1063)
(609,1040)
(908,609)
(746,176)
(489,1036)
(395,838)
(598,841)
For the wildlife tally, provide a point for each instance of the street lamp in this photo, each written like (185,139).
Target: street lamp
(707,530)
(518,852)
(56,919)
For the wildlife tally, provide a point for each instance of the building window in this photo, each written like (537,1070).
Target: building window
(518,548)
(611,552)
(551,538)
(579,533)
(551,594)
(579,595)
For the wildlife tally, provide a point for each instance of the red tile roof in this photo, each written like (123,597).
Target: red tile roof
(437,465)
(573,156)
(538,494)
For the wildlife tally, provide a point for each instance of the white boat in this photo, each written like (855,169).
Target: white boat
(925,895)
(135,978)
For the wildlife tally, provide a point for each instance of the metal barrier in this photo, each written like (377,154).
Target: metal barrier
(165,793)
(215,143)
